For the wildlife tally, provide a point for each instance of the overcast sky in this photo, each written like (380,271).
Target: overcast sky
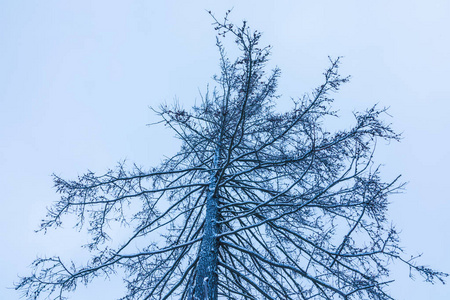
(77,78)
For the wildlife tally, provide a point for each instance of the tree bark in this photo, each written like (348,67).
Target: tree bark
(206,284)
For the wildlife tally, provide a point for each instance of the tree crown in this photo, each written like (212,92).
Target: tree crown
(257,204)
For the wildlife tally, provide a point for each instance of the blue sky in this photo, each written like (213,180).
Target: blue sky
(77,78)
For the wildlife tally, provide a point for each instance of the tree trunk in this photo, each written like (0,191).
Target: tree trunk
(206,283)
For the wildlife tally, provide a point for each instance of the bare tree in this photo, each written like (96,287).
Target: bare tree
(257,204)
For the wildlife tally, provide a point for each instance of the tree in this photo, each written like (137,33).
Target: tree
(257,204)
